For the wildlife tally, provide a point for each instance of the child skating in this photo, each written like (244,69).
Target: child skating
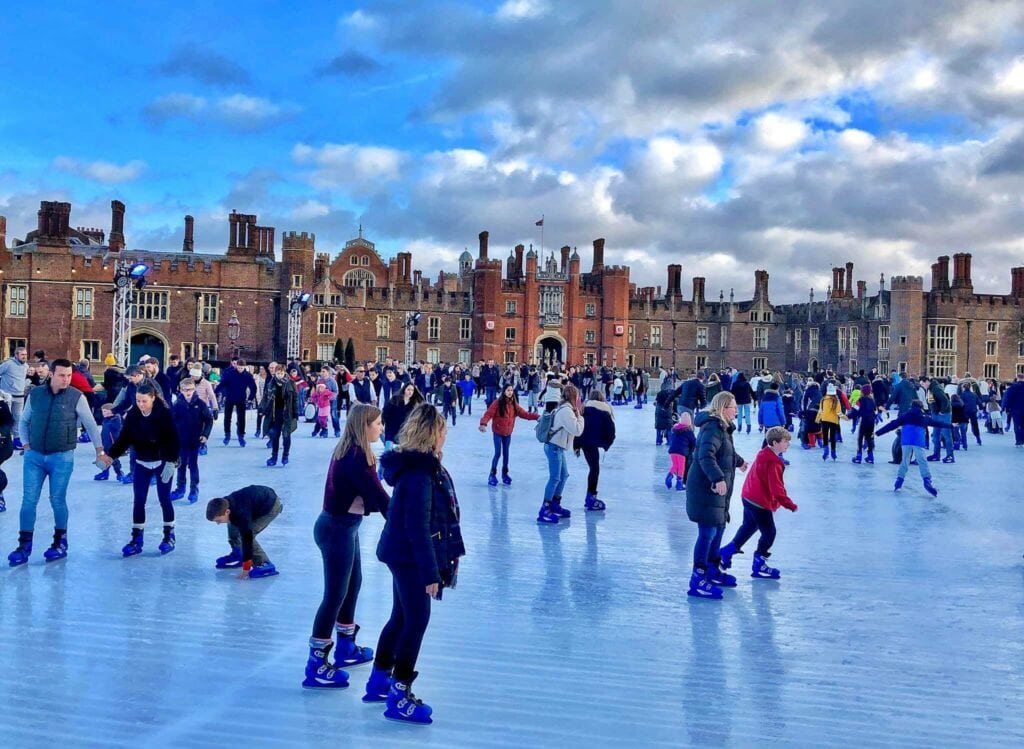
(912,426)
(863,416)
(681,441)
(246,512)
(764,491)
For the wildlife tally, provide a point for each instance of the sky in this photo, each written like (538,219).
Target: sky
(789,136)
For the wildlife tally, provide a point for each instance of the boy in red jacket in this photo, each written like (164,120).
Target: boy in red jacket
(763,493)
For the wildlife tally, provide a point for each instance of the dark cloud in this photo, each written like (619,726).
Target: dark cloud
(204,65)
(350,64)
(1006,159)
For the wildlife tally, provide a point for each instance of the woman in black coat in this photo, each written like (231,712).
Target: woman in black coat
(421,544)
(709,486)
(598,434)
(664,410)
(743,394)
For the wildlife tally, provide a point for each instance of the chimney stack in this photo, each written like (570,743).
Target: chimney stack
(761,285)
(698,291)
(116,226)
(598,256)
(483,245)
(944,272)
(519,260)
(962,271)
(232,230)
(565,260)
(849,280)
(675,280)
(862,287)
(3,232)
(1017,282)
(187,244)
(417,278)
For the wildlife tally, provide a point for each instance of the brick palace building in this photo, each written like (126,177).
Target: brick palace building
(58,296)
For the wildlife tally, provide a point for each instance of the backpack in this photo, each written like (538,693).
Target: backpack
(544,424)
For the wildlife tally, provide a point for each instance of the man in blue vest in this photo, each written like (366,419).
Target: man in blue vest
(49,432)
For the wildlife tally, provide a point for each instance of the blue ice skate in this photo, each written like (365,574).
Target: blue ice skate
(760,569)
(178,493)
(727,552)
(20,555)
(546,516)
(492,480)
(506,479)
(720,578)
(701,587)
(856,458)
(680,486)
(930,488)
(404,706)
(668,480)
(833,453)
(134,546)
(230,561)
(593,504)
(193,495)
(870,458)
(320,674)
(557,509)
(267,569)
(378,685)
(59,548)
(349,654)
(167,545)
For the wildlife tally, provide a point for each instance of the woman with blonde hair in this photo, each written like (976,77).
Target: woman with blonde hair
(421,545)
(352,491)
(708,492)
(565,423)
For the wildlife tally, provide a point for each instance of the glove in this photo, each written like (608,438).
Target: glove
(167,473)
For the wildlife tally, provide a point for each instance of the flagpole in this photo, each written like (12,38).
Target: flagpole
(541,236)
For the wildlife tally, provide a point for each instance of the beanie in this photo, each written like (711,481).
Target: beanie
(865,389)
(110,361)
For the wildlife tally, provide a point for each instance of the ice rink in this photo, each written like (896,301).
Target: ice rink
(898,620)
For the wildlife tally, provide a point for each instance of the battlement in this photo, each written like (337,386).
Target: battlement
(621,271)
(906,283)
(293,240)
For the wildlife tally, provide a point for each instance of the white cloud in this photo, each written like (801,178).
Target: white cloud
(309,209)
(349,164)
(237,111)
(1011,81)
(104,172)
(777,132)
(242,109)
(517,10)
(853,139)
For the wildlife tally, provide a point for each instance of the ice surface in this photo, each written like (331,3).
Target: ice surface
(897,621)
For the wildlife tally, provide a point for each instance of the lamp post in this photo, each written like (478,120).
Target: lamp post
(234,331)
(646,340)
(126,275)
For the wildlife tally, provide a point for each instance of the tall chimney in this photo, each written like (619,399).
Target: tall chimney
(962,271)
(232,230)
(3,232)
(835,282)
(849,280)
(598,256)
(944,272)
(862,287)
(675,279)
(565,259)
(187,244)
(251,232)
(483,244)
(1017,282)
(698,291)
(116,243)
(519,260)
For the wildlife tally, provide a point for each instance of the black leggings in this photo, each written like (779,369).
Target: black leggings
(593,457)
(828,434)
(755,519)
(338,540)
(866,437)
(401,638)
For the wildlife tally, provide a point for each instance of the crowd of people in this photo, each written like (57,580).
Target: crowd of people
(150,426)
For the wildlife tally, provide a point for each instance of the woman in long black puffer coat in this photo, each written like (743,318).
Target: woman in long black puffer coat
(709,487)
(664,410)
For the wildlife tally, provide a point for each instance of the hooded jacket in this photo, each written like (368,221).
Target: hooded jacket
(422,529)
(598,426)
(395,412)
(741,390)
(770,413)
(715,460)
(764,486)
(503,425)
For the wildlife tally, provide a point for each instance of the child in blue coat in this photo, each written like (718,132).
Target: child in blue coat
(912,426)
(193,421)
(681,442)
(467,386)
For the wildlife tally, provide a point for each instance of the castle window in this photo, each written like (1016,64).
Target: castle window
(510,335)
(187,350)
(13,344)
(991,347)
(723,337)
(382,353)
(591,310)
(325,352)
(510,307)
(760,363)
(702,337)
(798,340)
(656,337)
(702,361)
(210,308)
(589,358)
(433,355)
(883,338)
(359,277)
(992,328)
(942,338)
(854,341)
(207,351)
(17,301)
(433,328)
(465,356)
(812,341)
(383,326)
(91,350)
(365,260)
(883,366)
(325,323)
(590,336)
(318,300)
(354,260)
(760,340)
(631,335)
(510,357)
(335,300)
(991,371)
(465,328)
(297,281)
(844,340)
(656,361)
(152,305)
(83,303)
(753,315)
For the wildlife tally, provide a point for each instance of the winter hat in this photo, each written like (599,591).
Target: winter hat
(865,389)
(831,390)
(110,361)
(196,372)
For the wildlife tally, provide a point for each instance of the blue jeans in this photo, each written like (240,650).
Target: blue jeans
(742,412)
(709,540)
(188,458)
(56,466)
(110,431)
(913,452)
(558,471)
(942,437)
(490,393)
(500,449)
(338,541)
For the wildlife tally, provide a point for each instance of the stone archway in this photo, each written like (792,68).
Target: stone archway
(148,343)
(550,348)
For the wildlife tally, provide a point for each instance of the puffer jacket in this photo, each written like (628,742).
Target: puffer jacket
(715,459)
(770,413)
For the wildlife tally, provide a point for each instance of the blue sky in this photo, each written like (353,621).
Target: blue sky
(722,137)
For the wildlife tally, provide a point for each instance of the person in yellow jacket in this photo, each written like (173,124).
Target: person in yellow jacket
(829,413)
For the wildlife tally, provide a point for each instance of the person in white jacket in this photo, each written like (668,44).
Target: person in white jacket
(566,424)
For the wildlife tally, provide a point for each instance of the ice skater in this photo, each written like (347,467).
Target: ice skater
(764,491)
(6,446)
(681,441)
(598,434)
(830,411)
(557,432)
(449,398)
(912,426)
(246,512)
(322,400)
(864,415)
(502,414)
(352,491)
(194,422)
(149,429)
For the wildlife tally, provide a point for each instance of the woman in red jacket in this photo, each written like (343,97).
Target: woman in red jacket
(763,493)
(503,412)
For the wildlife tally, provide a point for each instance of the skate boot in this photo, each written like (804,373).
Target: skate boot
(284,460)
(126,479)
(202,449)
(592,504)
(403,705)
(178,493)
(716,576)
(506,479)
(557,509)
(102,475)
(726,553)
(241,441)
(933,458)
(856,458)
(748,428)
(870,458)
(193,495)
(20,555)
(680,486)
(762,570)
(824,454)
(492,480)
(134,546)
(59,548)
(898,485)
(833,453)
(378,685)
(167,545)
(701,587)
(320,674)
(668,480)
(227,440)
(267,569)
(230,561)
(930,488)
(3,504)
(949,459)
(271,461)
(545,515)
(349,654)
